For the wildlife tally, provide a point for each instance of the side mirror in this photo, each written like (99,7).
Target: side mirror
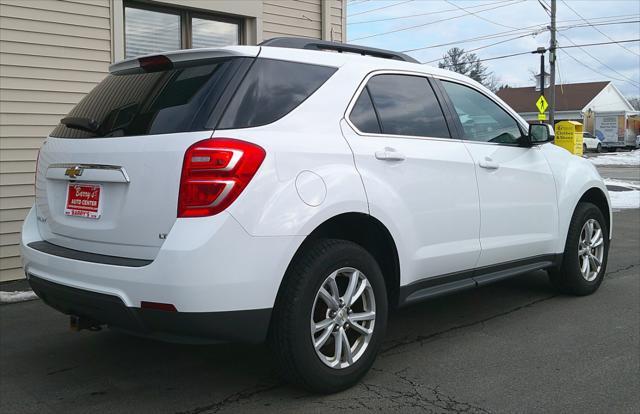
(540,133)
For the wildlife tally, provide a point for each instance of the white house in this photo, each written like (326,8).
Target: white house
(581,102)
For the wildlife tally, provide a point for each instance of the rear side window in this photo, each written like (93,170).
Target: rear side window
(407,105)
(363,115)
(176,100)
(272,89)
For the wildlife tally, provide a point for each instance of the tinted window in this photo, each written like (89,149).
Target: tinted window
(407,105)
(481,118)
(363,115)
(272,89)
(177,100)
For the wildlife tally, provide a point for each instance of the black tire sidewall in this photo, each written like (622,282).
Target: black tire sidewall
(318,376)
(572,278)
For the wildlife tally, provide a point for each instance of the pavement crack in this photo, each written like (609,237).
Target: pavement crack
(423,338)
(622,269)
(234,398)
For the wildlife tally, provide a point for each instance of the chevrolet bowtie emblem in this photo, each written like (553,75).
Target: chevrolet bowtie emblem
(73,172)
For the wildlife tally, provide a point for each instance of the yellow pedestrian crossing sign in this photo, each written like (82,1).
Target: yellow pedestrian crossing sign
(542,104)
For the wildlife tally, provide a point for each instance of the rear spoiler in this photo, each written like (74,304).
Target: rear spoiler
(175,58)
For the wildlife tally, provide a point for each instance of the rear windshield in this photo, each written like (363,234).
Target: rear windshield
(176,100)
(193,98)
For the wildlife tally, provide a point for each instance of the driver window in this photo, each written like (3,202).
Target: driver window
(481,118)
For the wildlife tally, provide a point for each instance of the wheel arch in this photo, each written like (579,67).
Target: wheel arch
(596,196)
(366,231)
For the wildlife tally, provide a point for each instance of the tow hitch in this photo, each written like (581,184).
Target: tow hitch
(78,323)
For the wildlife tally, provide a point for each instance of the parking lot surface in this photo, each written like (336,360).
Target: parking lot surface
(515,346)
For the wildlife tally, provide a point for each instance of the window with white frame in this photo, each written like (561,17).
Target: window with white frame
(151,29)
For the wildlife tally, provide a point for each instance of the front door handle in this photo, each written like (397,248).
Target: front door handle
(390,155)
(489,164)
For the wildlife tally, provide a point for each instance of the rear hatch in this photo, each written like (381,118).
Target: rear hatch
(108,176)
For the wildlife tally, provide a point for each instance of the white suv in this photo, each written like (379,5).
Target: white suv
(289,193)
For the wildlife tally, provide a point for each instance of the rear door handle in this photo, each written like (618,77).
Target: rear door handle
(388,155)
(489,164)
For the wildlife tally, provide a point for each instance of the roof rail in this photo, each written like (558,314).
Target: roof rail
(315,44)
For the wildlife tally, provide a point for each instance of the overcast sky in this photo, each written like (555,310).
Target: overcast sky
(617,63)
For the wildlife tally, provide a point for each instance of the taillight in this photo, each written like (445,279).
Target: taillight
(214,173)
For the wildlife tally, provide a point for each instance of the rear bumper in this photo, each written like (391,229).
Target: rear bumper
(210,269)
(245,326)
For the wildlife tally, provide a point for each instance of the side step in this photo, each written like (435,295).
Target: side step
(456,282)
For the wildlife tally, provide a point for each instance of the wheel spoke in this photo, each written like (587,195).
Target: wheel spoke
(319,343)
(598,243)
(361,287)
(351,288)
(588,265)
(337,339)
(346,346)
(596,261)
(331,302)
(323,325)
(597,236)
(333,287)
(361,329)
(585,266)
(589,230)
(361,316)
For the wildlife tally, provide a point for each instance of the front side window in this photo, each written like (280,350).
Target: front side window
(481,118)
(150,29)
(407,105)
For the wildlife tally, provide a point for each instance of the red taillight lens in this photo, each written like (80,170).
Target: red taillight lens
(214,173)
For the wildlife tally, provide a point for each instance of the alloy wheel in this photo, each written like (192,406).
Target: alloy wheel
(590,249)
(343,318)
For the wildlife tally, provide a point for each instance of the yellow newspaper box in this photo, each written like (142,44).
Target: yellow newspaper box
(569,136)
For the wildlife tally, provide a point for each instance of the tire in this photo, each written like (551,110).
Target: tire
(291,338)
(584,148)
(569,278)
(599,148)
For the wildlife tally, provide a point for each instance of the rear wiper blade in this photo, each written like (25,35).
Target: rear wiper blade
(83,124)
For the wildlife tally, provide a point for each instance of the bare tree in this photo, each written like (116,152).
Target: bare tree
(468,64)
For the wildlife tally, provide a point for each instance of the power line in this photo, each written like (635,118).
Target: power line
(379,8)
(486,46)
(538,30)
(431,22)
(557,47)
(592,69)
(545,7)
(480,17)
(595,28)
(621,16)
(598,60)
(427,13)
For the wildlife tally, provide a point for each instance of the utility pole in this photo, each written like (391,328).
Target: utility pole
(552,66)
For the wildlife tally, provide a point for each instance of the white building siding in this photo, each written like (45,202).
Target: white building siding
(51,53)
(292,18)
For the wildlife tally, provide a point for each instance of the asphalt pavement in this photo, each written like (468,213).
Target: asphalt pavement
(513,347)
(516,346)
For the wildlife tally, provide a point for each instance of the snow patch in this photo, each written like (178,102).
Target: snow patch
(628,198)
(622,158)
(634,185)
(17,296)
(625,199)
